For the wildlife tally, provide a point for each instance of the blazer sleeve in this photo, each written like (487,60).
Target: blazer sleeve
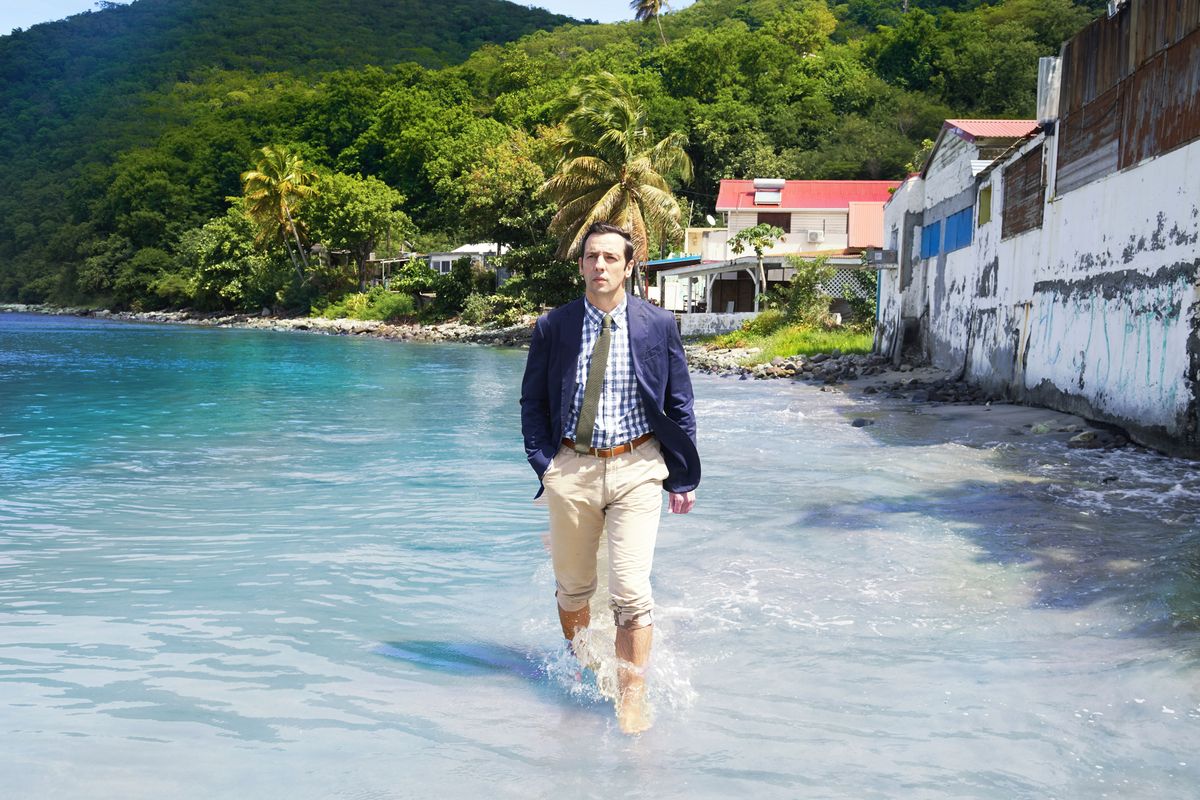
(540,446)
(678,399)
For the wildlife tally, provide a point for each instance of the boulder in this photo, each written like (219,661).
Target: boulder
(1088,440)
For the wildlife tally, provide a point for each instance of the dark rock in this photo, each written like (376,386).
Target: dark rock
(862,422)
(920,396)
(1088,440)
(870,390)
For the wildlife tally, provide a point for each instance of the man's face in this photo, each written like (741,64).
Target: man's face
(603,267)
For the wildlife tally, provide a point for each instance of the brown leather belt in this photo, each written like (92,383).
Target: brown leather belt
(609,452)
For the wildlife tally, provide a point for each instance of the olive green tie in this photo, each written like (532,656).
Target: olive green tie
(591,391)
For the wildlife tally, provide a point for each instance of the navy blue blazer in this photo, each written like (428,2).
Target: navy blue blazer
(663,383)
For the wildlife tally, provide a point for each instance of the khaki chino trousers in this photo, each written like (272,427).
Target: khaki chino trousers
(622,495)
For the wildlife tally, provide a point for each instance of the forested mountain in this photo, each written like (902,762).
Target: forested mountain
(124,129)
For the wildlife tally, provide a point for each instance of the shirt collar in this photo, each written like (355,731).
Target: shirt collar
(595,316)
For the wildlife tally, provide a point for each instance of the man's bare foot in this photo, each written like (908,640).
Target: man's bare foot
(633,713)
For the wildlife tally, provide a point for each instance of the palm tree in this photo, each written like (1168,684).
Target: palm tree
(611,169)
(276,186)
(643,10)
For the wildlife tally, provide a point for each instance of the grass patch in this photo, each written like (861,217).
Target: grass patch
(795,340)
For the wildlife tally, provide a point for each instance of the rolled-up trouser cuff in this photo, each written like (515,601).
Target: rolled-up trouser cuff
(574,602)
(626,617)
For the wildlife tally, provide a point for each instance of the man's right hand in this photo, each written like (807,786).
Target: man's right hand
(682,502)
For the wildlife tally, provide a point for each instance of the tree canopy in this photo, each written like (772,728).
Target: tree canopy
(125,131)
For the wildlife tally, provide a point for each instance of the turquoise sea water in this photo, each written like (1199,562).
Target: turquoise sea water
(239,563)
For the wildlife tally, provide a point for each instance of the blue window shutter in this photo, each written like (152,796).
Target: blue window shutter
(930,236)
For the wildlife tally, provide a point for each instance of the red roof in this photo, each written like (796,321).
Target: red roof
(972,129)
(802,195)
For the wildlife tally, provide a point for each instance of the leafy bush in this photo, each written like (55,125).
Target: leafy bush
(540,278)
(765,323)
(476,309)
(376,304)
(496,309)
(227,271)
(413,278)
(862,308)
(804,301)
(453,288)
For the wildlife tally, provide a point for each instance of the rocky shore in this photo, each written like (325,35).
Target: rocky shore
(870,375)
(513,336)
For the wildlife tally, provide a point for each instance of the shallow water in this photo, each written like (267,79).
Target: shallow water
(238,562)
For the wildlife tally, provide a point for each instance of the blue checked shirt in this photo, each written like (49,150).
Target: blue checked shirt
(619,416)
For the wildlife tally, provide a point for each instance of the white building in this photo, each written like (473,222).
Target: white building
(483,253)
(835,219)
(1077,285)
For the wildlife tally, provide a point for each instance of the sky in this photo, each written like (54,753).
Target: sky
(23,13)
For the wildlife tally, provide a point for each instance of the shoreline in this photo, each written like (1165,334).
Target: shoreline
(859,377)
(513,336)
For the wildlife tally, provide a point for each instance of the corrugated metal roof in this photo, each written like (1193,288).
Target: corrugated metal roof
(736,195)
(866,225)
(971,129)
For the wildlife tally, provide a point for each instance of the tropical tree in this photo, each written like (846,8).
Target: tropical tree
(354,213)
(643,10)
(611,169)
(274,189)
(758,238)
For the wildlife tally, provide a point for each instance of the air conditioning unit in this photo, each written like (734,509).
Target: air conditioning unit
(816,236)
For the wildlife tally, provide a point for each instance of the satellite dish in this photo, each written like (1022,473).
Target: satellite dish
(711,222)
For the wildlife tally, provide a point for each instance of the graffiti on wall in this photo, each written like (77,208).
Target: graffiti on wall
(1118,338)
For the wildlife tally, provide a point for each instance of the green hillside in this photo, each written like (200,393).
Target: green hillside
(125,129)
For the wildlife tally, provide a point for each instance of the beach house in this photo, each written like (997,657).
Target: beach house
(834,219)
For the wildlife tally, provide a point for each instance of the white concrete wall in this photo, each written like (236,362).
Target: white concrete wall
(1114,301)
(707,324)
(898,235)
(950,171)
(1097,312)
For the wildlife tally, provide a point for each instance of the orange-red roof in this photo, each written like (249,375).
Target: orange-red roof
(972,129)
(801,195)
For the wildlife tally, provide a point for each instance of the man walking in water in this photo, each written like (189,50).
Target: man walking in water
(606,412)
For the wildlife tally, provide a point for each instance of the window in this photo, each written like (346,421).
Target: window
(779,220)
(931,236)
(958,229)
(985,205)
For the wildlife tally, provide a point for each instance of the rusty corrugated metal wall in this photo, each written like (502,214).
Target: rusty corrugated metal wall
(1130,90)
(1023,194)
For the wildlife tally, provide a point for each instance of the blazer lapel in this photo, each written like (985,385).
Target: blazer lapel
(635,315)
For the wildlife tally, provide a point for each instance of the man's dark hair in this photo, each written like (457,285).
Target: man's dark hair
(598,228)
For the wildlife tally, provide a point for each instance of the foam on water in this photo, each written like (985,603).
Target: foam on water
(242,563)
